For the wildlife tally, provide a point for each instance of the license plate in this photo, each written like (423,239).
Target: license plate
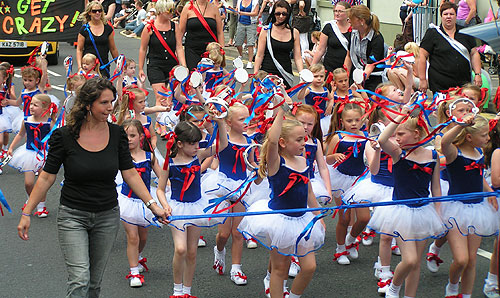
(13,44)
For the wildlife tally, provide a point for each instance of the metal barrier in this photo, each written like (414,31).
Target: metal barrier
(422,17)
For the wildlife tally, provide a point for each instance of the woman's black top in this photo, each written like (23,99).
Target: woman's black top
(89,177)
(447,67)
(335,51)
(101,41)
(157,54)
(281,51)
(197,39)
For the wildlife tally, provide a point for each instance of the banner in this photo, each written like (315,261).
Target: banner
(43,20)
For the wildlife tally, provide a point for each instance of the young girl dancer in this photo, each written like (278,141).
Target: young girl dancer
(31,157)
(413,171)
(471,219)
(287,171)
(183,171)
(345,153)
(231,174)
(7,112)
(216,54)
(135,216)
(130,79)
(318,96)
(90,66)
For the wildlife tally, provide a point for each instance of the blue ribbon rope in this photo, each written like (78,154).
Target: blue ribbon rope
(3,200)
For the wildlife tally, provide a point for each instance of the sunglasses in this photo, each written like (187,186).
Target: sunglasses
(96,10)
(281,14)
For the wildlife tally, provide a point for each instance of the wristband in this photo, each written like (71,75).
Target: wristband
(477,74)
(150,202)
(285,107)
(25,214)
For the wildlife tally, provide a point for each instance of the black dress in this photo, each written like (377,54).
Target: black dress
(197,39)
(160,61)
(102,44)
(281,51)
(335,51)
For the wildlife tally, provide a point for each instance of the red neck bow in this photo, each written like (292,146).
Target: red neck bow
(427,170)
(294,179)
(190,173)
(239,156)
(474,165)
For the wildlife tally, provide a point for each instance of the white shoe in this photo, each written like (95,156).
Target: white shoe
(294,267)
(251,243)
(377,269)
(490,290)
(238,277)
(385,282)
(135,280)
(450,293)
(433,261)
(142,265)
(353,250)
(1,172)
(249,65)
(266,287)
(342,258)
(219,261)
(387,295)
(42,213)
(367,237)
(201,242)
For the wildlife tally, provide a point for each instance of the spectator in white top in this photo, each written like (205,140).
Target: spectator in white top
(141,15)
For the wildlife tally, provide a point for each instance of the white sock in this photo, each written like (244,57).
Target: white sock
(186,290)
(466,295)
(379,261)
(349,239)
(452,288)
(385,269)
(349,228)
(140,257)
(340,248)
(268,275)
(492,278)
(393,242)
(393,290)
(434,249)
(40,206)
(236,267)
(220,253)
(284,283)
(134,270)
(178,289)
(292,295)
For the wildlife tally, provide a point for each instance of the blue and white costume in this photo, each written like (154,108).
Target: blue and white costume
(344,175)
(317,183)
(132,209)
(288,190)
(319,100)
(31,156)
(474,216)
(8,114)
(410,221)
(378,188)
(186,197)
(129,81)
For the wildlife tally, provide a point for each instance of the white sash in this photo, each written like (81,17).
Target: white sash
(453,43)
(286,75)
(339,34)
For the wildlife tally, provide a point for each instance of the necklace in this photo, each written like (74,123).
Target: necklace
(206,5)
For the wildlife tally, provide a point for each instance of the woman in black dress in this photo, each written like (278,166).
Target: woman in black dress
(160,58)
(96,33)
(197,34)
(335,39)
(282,40)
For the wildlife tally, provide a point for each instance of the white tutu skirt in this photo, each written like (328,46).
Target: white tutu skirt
(5,125)
(279,231)
(134,211)
(17,121)
(193,208)
(26,160)
(319,189)
(409,223)
(366,191)
(325,124)
(480,219)
(258,192)
(445,186)
(168,119)
(215,184)
(341,182)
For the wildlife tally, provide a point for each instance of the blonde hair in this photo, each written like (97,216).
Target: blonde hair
(215,54)
(261,74)
(412,123)
(473,88)
(91,58)
(124,104)
(338,71)
(30,72)
(235,107)
(362,12)
(318,67)
(164,6)
(383,88)
(412,48)
(316,34)
(286,129)
(70,82)
(46,104)
(85,15)
(479,123)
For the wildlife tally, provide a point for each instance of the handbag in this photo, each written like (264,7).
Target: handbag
(478,19)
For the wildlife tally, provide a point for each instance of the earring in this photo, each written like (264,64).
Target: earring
(90,115)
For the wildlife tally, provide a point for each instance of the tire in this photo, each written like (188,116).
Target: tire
(54,58)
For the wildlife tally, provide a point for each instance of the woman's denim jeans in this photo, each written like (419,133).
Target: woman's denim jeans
(86,240)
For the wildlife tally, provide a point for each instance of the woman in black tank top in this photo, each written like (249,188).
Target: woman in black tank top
(285,41)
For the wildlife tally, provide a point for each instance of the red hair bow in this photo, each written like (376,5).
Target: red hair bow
(131,98)
(171,138)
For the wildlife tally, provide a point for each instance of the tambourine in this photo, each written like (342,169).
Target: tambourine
(181,73)
(358,76)
(306,75)
(454,104)
(68,61)
(376,129)
(44,48)
(275,79)
(410,57)
(238,63)
(220,105)
(119,61)
(5,160)
(241,75)
(195,79)
(246,154)
(207,61)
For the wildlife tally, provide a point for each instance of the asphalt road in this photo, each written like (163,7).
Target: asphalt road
(35,268)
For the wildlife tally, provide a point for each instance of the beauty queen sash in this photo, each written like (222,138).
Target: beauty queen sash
(286,75)
(340,36)
(455,44)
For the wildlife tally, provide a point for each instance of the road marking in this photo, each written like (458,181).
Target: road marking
(484,253)
(55,74)
(57,87)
